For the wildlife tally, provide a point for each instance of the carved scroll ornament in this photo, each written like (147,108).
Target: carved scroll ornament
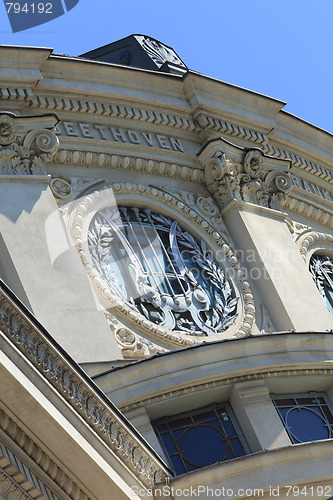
(246,179)
(24,147)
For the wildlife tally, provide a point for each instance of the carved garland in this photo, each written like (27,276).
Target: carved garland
(79,395)
(151,193)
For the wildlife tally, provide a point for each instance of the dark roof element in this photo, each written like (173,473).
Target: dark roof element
(140,51)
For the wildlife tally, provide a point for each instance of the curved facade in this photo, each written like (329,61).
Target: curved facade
(167,282)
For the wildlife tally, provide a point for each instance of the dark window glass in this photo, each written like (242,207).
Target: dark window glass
(305,417)
(321,268)
(202,438)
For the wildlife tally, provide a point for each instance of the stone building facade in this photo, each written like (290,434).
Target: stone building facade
(166,283)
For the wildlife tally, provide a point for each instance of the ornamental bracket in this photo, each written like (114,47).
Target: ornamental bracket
(244,174)
(27,143)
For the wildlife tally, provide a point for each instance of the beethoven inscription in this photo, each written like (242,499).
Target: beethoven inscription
(106,133)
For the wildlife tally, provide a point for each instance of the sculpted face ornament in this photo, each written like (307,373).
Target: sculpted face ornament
(161,271)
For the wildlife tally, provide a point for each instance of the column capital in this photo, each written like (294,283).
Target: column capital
(244,174)
(27,143)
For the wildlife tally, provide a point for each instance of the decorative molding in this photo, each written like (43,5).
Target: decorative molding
(20,94)
(24,149)
(67,189)
(223,381)
(205,206)
(129,163)
(231,129)
(313,241)
(297,229)
(308,210)
(113,110)
(38,456)
(101,418)
(208,122)
(148,193)
(10,489)
(255,178)
(131,344)
(12,466)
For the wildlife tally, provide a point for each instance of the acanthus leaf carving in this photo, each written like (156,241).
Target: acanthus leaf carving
(24,151)
(232,175)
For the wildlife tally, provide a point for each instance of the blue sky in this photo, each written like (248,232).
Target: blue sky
(280,48)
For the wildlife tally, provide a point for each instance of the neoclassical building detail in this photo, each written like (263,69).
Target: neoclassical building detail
(233,173)
(105,421)
(115,300)
(25,149)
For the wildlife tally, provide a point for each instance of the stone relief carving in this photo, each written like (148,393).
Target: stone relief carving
(205,206)
(159,52)
(131,344)
(42,459)
(24,151)
(248,181)
(297,229)
(67,189)
(12,467)
(121,309)
(129,163)
(312,241)
(79,394)
(163,286)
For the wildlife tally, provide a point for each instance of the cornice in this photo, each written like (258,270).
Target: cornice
(222,381)
(19,326)
(12,467)
(113,110)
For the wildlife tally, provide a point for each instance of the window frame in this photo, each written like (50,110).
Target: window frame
(192,413)
(309,395)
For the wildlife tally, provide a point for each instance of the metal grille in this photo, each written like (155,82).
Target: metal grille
(321,268)
(161,271)
(305,417)
(201,438)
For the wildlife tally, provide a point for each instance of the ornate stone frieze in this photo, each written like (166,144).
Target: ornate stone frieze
(308,209)
(129,163)
(100,416)
(151,195)
(113,110)
(234,173)
(234,130)
(26,481)
(42,459)
(25,146)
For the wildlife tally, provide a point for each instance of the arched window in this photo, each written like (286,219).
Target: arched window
(161,271)
(321,268)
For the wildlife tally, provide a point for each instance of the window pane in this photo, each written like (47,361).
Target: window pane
(202,439)
(306,418)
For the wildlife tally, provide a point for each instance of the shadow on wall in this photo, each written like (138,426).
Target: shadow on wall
(9,275)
